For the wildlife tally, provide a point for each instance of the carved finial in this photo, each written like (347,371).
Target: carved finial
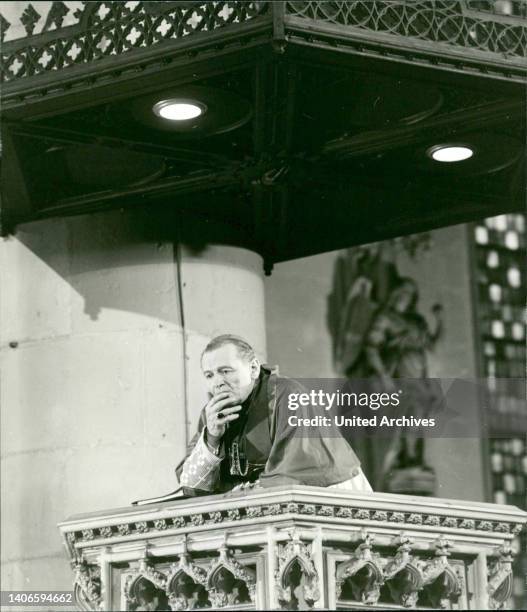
(224,551)
(56,15)
(184,546)
(505,553)
(442,547)
(294,536)
(29,19)
(402,539)
(268,266)
(405,547)
(4,26)
(79,13)
(366,540)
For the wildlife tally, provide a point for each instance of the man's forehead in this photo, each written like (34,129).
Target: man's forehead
(223,355)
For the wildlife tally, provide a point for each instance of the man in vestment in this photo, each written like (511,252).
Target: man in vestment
(244,436)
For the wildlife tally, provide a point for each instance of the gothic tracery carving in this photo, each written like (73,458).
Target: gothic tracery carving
(296,578)
(186,584)
(363,572)
(115,28)
(146,587)
(402,575)
(229,582)
(500,578)
(440,581)
(87,586)
(441,21)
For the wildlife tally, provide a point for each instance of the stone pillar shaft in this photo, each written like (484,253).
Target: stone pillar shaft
(101,385)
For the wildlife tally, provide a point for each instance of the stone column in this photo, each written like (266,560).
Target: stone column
(100,380)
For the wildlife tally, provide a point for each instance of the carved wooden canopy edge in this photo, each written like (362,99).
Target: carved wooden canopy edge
(112,33)
(449,23)
(109,31)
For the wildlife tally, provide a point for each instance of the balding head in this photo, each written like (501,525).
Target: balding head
(244,349)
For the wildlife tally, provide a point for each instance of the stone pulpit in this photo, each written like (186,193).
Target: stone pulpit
(294,548)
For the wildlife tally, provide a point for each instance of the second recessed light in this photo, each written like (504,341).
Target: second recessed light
(450,153)
(179,110)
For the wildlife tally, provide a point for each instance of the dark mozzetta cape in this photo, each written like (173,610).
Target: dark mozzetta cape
(276,452)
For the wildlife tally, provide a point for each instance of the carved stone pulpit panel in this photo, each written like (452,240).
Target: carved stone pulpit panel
(295,548)
(296,576)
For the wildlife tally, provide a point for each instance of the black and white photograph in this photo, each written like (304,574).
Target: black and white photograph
(263,305)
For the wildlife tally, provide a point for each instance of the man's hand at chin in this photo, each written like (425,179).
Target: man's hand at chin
(230,398)
(222,409)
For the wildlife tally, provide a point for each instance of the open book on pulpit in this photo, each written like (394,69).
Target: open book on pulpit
(179,493)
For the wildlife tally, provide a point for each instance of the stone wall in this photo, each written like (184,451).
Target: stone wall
(298,337)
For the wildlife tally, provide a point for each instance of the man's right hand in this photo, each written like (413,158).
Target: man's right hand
(220,411)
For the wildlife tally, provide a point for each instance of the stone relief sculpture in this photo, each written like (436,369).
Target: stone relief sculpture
(296,577)
(297,549)
(361,577)
(186,585)
(500,578)
(403,579)
(187,595)
(87,587)
(145,590)
(379,334)
(442,584)
(143,596)
(229,582)
(402,575)
(399,559)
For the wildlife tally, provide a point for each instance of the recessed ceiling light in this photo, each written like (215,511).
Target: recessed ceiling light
(178,110)
(450,153)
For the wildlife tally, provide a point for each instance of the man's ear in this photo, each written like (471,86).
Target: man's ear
(255,368)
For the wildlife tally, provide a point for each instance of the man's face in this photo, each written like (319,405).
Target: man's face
(226,371)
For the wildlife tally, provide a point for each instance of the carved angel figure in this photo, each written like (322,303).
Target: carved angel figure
(378,334)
